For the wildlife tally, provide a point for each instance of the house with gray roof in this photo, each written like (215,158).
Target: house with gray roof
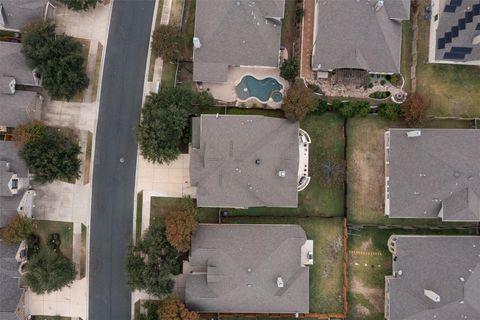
(243,268)
(235,33)
(16,107)
(10,293)
(363,34)
(246,161)
(15,14)
(455,32)
(434,277)
(433,173)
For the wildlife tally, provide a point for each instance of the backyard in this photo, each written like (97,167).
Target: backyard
(43,228)
(369,261)
(289,27)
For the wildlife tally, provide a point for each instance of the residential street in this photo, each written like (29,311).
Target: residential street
(115,157)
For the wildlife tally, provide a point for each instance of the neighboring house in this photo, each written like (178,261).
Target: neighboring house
(455,32)
(10,292)
(16,107)
(434,277)
(235,33)
(433,173)
(358,34)
(235,268)
(247,161)
(15,14)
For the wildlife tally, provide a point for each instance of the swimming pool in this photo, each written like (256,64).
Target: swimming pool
(263,89)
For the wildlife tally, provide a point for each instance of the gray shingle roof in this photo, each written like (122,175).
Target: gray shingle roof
(9,203)
(234,33)
(367,39)
(440,167)
(10,293)
(457,28)
(13,63)
(446,265)
(240,265)
(17,13)
(225,168)
(19,108)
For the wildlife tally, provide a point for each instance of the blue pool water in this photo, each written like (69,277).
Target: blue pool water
(261,89)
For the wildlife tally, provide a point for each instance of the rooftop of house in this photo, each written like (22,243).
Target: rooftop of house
(13,63)
(370,39)
(435,174)
(9,202)
(435,277)
(244,161)
(458,31)
(236,269)
(9,282)
(235,33)
(15,14)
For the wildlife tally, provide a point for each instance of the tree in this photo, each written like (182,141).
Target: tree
(47,272)
(151,313)
(322,106)
(58,58)
(298,102)
(350,109)
(171,308)
(25,132)
(151,263)
(290,69)
(179,228)
(165,120)
(78,5)
(166,42)
(332,170)
(50,154)
(17,229)
(415,109)
(390,111)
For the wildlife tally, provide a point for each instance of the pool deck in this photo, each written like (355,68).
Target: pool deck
(226,91)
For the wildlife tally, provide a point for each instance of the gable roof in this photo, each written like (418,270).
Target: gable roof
(239,267)
(9,282)
(15,14)
(234,33)
(14,65)
(447,265)
(369,39)
(438,168)
(457,31)
(224,166)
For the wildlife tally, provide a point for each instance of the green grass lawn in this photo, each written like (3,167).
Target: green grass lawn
(138,216)
(366,161)
(453,89)
(161,205)
(168,75)
(83,257)
(367,272)
(406,58)
(289,27)
(64,229)
(188,29)
(326,274)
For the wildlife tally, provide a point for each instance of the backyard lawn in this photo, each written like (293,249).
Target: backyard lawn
(43,228)
(406,58)
(326,274)
(369,261)
(453,89)
(366,161)
(321,198)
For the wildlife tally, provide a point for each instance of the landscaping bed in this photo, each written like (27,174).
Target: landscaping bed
(161,205)
(369,261)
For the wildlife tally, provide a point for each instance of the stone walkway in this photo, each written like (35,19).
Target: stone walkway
(307,39)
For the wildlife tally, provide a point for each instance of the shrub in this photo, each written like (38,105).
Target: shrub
(390,111)
(53,241)
(78,5)
(171,308)
(315,88)
(415,109)
(298,102)
(349,109)
(299,14)
(17,229)
(380,95)
(166,42)
(322,106)
(290,69)
(394,79)
(23,133)
(33,244)
(179,228)
(370,85)
(382,82)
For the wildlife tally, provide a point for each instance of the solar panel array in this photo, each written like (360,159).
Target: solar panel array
(458,53)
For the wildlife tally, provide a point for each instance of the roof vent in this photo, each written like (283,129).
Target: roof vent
(196,43)
(282,173)
(462,279)
(414,133)
(258,162)
(379,5)
(456,174)
(431,295)
(280,282)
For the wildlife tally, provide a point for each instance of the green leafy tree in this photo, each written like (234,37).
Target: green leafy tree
(322,106)
(390,111)
(78,5)
(51,155)
(151,263)
(36,40)
(17,229)
(167,42)
(290,69)
(165,120)
(47,272)
(350,109)
(298,102)
(151,311)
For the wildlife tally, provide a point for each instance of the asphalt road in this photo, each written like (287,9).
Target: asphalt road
(114,181)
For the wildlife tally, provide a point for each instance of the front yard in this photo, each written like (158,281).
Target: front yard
(161,205)
(369,261)
(43,228)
